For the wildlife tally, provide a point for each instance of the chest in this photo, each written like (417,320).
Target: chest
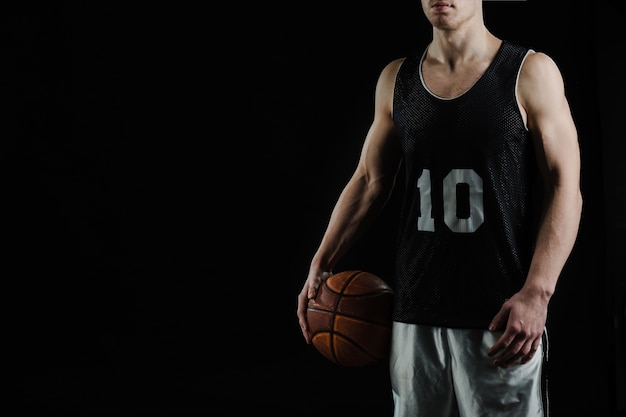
(445,82)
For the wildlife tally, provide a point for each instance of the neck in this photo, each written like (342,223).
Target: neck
(475,42)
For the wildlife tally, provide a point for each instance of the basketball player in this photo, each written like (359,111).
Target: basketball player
(480,128)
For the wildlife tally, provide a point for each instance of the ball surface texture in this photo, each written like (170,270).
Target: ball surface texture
(350,318)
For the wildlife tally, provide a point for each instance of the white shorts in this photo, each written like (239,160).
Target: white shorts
(442,372)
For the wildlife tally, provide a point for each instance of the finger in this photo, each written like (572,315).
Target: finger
(498,321)
(505,363)
(512,352)
(531,353)
(501,344)
(312,290)
(303,302)
(509,359)
(521,351)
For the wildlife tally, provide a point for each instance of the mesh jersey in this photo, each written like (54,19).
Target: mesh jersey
(468,215)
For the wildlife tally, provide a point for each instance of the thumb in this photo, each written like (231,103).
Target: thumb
(319,279)
(498,321)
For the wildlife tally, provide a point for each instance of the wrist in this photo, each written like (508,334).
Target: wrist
(542,292)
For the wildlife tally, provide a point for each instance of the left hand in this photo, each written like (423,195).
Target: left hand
(523,318)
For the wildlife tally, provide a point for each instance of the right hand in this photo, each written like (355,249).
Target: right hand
(309,291)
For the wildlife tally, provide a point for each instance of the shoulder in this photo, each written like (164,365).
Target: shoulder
(391,69)
(539,68)
(387,77)
(385,85)
(540,79)
(541,89)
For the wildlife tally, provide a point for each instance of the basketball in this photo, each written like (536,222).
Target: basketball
(350,318)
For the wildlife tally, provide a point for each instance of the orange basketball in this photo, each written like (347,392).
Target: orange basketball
(350,318)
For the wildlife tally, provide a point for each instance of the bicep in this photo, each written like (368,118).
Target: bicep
(550,121)
(381,153)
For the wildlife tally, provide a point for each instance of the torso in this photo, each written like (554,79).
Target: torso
(465,238)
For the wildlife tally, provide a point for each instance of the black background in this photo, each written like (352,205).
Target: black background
(169,170)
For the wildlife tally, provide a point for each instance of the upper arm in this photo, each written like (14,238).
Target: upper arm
(381,155)
(541,92)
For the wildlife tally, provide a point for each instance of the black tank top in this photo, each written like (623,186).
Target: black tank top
(467,223)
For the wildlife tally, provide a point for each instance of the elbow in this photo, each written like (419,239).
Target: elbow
(377,187)
(579,202)
(573,198)
(377,191)
(569,200)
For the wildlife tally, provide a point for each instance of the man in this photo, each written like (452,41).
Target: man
(491,208)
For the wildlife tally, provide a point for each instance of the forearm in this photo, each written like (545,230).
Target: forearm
(556,237)
(358,205)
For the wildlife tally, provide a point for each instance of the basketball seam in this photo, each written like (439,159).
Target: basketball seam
(335,314)
(333,333)
(355,344)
